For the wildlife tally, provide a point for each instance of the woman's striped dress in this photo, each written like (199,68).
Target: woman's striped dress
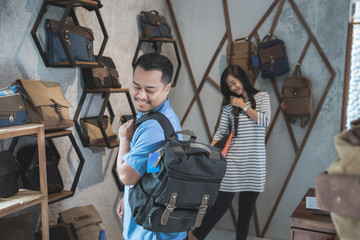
(246,158)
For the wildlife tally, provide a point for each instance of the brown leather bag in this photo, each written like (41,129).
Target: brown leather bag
(46,104)
(297,98)
(93,132)
(240,52)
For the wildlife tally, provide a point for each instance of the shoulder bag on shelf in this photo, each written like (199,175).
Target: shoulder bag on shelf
(46,104)
(9,172)
(79,41)
(103,76)
(273,57)
(93,132)
(153,25)
(12,106)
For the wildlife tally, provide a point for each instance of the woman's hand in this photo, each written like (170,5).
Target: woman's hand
(237,102)
(126,131)
(120,208)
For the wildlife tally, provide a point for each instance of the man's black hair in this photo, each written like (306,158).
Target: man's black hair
(155,61)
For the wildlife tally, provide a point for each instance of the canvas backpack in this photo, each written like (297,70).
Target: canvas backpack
(177,196)
(297,98)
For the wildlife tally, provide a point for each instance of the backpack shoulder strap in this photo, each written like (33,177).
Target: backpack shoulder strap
(162,120)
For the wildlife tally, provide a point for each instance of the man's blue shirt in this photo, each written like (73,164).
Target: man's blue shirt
(148,137)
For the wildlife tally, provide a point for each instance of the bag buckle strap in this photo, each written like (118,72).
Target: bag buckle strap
(202,210)
(170,207)
(58,107)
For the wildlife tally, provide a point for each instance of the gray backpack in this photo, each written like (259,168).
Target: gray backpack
(177,196)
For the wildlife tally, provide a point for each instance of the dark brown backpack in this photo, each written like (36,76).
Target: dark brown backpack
(297,98)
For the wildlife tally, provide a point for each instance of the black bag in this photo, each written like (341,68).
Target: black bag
(12,106)
(154,25)
(177,197)
(104,76)
(61,231)
(79,42)
(273,57)
(297,98)
(16,228)
(9,172)
(28,159)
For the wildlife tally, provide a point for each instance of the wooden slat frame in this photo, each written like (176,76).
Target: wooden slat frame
(254,34)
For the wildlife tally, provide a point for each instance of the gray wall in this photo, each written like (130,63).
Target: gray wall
(202,29)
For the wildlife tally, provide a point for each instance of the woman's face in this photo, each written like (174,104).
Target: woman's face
(235,85)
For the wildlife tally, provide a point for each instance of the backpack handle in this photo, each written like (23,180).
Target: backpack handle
(186,132)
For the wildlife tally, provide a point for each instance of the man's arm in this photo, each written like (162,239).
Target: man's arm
(128,175)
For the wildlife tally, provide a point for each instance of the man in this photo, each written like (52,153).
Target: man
(150,88)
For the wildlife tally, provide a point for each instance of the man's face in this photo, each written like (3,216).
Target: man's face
(147,90)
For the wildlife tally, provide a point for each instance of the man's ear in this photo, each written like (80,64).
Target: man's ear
(168,87)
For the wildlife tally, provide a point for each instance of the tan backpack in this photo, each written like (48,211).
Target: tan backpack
(240,52)
(297,98)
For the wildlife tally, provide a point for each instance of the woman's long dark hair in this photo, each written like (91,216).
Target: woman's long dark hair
(238,73)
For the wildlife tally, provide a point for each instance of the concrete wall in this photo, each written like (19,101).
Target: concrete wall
(202,25)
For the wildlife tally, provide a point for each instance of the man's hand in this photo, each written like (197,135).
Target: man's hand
(120,208)
(126,131)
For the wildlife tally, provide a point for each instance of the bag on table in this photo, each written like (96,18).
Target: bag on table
(154,25)
(297,98)
(93,132)
(9,172)
(46,104)
(12,106)
(79,41)
(273,57)
(240,52)
(177,195)
(104,76)
(28,159)
(86,221)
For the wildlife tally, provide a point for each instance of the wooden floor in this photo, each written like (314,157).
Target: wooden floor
(217,234)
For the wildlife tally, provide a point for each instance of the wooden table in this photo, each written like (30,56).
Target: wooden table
(306,225)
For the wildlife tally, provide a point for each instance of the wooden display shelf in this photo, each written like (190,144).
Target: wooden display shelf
(55,197)
(23,199)
(27,198)
(106,92)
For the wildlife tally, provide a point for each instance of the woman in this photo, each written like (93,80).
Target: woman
(246,157)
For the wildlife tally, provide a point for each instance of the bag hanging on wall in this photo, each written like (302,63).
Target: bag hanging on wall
(240,52)
(183,179)
(86,221)
(79,41)
(104,76)
(297,98)
(12,106)
(273,57)
(28,159)
(153,25)
(46,104)
(9,172)
(93,132)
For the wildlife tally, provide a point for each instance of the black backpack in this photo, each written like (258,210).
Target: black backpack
(28,160)
(177,196)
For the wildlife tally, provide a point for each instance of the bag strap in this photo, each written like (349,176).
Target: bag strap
(162,120)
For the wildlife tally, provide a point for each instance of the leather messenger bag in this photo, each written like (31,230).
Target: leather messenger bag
(46,104)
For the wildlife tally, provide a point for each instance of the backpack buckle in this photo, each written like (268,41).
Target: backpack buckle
(170,207)
(202,210)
